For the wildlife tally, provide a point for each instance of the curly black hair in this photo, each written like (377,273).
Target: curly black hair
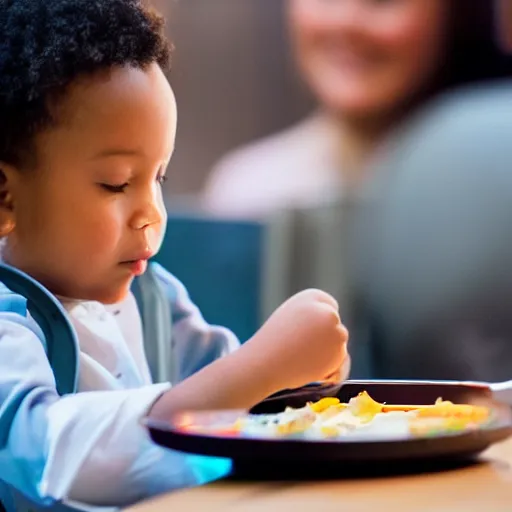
(45,45)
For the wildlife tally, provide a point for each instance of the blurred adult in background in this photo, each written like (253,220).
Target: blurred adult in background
(434,248)
(369,64)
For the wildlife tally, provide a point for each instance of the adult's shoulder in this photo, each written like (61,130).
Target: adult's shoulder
(284,145)
(467,112)
(437,253)
(462,134)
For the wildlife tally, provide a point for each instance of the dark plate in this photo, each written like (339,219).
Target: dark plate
(264,452)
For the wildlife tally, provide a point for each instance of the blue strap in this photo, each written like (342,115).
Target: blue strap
(61,344)
(156,316)
(20,293)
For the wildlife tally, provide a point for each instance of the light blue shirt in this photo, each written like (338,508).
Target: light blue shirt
(90,446)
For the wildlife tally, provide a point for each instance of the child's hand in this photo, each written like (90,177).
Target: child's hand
(303,341)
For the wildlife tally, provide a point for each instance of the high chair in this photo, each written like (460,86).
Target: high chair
(222,264)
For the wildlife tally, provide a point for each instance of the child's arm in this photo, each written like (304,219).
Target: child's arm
(196,344)
(90,446)
(87,447)
(302,341)
(304,330)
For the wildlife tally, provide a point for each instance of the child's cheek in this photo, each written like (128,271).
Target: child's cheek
(158,233)
(156,236)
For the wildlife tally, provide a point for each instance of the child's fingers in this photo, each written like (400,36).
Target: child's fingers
(342,372)
(320,296)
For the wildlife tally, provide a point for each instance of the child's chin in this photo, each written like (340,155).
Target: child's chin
(116,294)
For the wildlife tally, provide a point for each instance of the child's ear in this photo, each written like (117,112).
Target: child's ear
(7,218)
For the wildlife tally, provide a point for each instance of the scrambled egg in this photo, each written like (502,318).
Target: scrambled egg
(363,416)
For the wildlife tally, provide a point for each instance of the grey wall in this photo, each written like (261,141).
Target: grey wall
(233,80)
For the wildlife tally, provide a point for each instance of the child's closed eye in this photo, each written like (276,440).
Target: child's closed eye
(118,189)
(114,189)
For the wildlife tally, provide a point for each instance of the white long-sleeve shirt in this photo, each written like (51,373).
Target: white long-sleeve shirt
(90,446)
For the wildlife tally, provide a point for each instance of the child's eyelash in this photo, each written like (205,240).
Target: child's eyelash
(116,189)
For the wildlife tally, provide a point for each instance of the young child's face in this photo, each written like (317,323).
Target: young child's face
(91,213)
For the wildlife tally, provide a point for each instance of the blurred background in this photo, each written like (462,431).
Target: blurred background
(234,80)
(358,146)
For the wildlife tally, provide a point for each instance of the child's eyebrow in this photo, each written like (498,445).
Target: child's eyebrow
(117,152)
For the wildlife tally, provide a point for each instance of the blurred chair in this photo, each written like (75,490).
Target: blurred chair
(239,272)
(220,263)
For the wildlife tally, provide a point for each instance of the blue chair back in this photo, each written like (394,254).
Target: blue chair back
(221,263)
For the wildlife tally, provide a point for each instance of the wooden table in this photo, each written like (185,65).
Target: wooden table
(486,487)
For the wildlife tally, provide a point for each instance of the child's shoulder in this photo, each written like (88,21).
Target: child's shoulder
(10,301)
(26,303)
(15,294)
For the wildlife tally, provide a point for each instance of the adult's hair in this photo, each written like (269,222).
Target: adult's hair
(473,49)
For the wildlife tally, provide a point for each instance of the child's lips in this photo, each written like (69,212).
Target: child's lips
(136,267)
(138,262)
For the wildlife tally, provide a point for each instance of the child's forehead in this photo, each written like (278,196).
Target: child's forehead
(111,90)
(121,108)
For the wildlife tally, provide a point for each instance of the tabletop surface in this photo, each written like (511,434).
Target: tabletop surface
(483,487)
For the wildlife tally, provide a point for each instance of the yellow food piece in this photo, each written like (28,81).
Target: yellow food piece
(284,429)
(295,426)
(404,408)
(446,409)
(329,431)
(239,424)
(323,404)
(422,426)
(332,411)
(364,407)
(442,416)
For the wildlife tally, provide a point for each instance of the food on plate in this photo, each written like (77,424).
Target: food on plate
(361,417)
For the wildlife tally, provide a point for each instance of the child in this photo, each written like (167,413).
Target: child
(87,130)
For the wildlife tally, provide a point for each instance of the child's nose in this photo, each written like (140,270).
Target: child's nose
(149,215)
